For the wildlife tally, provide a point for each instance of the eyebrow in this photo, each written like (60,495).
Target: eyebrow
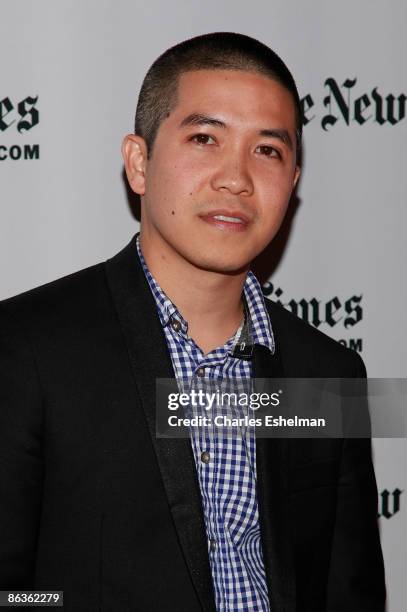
(281,134)
(200,119)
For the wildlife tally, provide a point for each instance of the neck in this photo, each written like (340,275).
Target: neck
(210,301)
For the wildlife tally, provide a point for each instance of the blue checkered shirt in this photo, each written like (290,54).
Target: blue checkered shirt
(226,465)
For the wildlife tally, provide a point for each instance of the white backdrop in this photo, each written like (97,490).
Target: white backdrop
(70,77)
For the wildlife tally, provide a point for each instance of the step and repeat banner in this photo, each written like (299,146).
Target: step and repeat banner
(70,76)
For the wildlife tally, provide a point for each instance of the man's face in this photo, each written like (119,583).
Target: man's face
(222,170)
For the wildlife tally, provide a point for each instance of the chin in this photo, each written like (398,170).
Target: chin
(222,265)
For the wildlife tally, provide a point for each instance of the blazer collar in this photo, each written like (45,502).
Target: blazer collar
(272,497)
(150,359)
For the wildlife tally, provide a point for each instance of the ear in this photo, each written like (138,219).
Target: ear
(297,173)
(134,151)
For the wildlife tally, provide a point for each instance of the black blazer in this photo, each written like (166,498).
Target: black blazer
(94,504)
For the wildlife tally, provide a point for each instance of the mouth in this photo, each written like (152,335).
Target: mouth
(227,220)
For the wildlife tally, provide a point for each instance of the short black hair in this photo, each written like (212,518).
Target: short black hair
(214,51)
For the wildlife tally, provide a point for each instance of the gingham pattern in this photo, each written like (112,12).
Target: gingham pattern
(228,481)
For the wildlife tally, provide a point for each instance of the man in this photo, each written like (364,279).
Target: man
(93,503)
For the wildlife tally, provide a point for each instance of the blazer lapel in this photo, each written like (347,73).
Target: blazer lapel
(149,357)
(272,497)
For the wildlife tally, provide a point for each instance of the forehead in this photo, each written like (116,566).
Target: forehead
(243,95)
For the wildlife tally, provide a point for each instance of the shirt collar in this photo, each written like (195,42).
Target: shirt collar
(255,329)
(262,331)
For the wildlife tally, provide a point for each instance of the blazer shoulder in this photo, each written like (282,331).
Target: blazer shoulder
(64,298)
(318,353)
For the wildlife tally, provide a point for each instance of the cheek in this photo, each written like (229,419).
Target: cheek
(171,188)
(174,177)
(276,191)
(177,169)
(275,195)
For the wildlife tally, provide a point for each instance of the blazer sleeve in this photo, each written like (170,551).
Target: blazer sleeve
(21,462)
(356,577)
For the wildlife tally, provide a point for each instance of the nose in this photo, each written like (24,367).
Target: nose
(232,174)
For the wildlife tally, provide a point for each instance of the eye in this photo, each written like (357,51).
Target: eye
(268,151)
(202,139)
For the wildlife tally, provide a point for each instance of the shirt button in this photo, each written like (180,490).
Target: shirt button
(212,545)
(175,324)
(205,457)
(200,372)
